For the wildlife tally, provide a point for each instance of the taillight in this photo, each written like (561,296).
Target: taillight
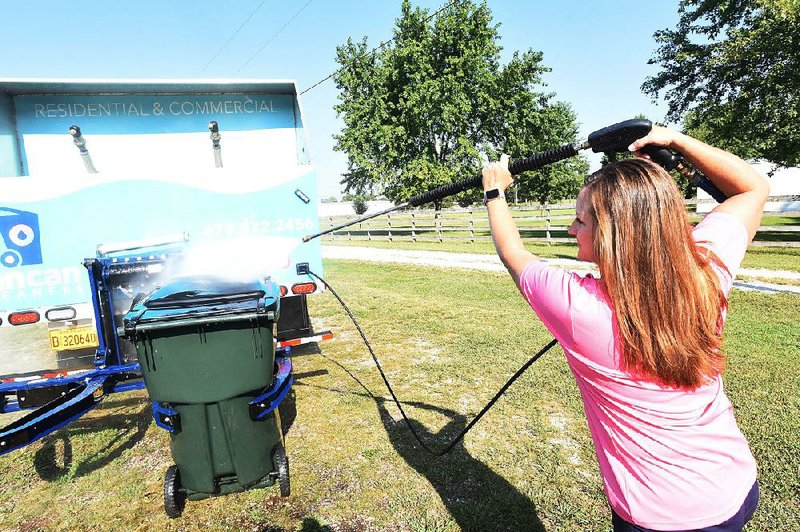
(23,318)
(60,314)
(284,290)
(304,288)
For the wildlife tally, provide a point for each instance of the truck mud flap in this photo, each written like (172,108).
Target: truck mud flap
(52,416)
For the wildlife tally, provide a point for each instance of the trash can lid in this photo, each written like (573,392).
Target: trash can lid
(203,297)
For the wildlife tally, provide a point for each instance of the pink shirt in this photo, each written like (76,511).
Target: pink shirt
(670,459)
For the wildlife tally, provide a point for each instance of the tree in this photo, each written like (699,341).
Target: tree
(419,113)
(360,204)
(731,71)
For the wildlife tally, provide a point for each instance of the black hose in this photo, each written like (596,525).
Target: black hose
(537,160)
(466,429)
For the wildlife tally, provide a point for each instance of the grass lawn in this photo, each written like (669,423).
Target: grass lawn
(768,258)
(448,340)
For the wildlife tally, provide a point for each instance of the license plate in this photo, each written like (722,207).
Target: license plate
(74,338)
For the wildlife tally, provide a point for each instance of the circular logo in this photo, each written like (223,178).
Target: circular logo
(10,258)
(21,235)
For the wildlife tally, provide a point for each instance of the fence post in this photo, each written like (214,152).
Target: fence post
(547,222)
(438,221)
(471,226)
(389,225)
(413,228)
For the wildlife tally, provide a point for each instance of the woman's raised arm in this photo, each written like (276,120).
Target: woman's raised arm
(747,191)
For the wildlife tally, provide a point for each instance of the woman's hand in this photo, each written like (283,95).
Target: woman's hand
(496,175)
(658,136)
(746,190)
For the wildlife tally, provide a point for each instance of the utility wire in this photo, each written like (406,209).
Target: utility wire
(273,37)
(381,45)
(235,33)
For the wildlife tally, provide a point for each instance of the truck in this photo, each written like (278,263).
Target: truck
(216,172)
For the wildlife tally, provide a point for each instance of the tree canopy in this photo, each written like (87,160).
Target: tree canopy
(421,111)
(731,71)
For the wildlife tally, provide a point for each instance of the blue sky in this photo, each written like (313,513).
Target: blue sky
(598,50)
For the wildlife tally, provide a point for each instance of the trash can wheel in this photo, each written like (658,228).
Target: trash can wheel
(174,496)
(282,463)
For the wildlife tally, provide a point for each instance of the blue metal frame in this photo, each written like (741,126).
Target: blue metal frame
(78,392)
(107,263)
(93,385)
(270,398)
(165,417)
(121,374)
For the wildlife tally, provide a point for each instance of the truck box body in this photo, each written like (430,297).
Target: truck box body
(144,167)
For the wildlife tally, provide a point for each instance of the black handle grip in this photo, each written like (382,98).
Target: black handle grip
(537,160)
(702,182)
(662,156)
(670,160)
(617,137)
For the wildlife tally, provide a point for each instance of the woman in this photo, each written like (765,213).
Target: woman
(644,340)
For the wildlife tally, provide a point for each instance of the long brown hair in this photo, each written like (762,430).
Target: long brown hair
(666,297)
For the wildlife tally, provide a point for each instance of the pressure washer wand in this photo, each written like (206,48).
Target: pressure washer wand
(614,138)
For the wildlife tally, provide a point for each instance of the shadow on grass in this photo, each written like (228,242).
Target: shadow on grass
(476,497)
(54,459)
(312,525)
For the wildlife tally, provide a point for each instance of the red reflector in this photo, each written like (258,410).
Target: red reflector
(304,288)
(284,290)
(327,336)
(23,318)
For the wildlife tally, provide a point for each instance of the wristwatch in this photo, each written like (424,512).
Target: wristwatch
(494,193)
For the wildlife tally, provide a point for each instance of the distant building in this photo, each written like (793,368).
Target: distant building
(784,189)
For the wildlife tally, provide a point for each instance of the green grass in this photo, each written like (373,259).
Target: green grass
(756,257)
(448,341)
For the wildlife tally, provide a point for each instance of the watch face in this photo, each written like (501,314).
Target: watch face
(491,194)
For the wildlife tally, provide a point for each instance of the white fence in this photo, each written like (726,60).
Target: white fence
(546,224)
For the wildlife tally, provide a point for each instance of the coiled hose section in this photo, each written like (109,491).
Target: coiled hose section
(533,162)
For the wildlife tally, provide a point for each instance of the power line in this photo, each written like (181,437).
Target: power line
(381,45)
(235,33)
(273,37)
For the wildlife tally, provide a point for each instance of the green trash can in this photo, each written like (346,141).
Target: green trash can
(207,353)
